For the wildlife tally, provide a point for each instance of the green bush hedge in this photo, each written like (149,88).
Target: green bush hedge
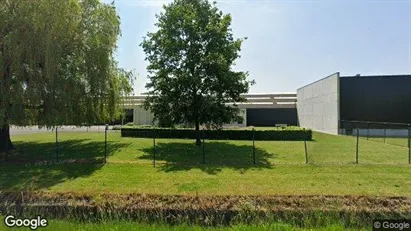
(280,134)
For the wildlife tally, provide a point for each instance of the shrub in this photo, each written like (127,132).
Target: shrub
(244,134)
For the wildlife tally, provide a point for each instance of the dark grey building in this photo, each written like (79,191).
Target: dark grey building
(322,105)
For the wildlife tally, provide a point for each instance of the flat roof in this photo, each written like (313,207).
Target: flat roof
(377,76)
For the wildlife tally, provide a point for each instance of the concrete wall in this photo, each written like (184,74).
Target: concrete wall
(142,117)
(318,105)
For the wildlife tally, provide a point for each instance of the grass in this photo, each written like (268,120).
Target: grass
(127,225)
(280,166)
(401,141)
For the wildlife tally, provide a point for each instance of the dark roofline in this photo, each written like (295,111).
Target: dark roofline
(371,76)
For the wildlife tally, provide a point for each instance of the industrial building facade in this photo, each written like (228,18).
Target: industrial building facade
(320,106)
(260,110)
(324,104)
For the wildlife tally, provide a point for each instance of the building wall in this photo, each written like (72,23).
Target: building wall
(376,98)
(142,117)
(271,116)
(318,105)
(377,132)
(145,117)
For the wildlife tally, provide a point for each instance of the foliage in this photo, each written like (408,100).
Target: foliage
(190,59)
(208,211)
(56,62)
(181,133)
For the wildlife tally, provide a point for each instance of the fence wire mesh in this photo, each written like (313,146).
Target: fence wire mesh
(65,144)
(358,142)
(379,142)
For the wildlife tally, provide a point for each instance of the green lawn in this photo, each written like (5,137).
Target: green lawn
(403,142)
(229,169)
(128,226)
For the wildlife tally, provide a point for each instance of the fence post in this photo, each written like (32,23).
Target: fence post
(409,143)
(368,129)
(385,131)
(105,144)
(305,147)
(57,145)
(353,127)
(356,153)
(203,148)
(154,149)
(253,147)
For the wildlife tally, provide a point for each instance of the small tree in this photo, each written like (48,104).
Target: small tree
(190,58)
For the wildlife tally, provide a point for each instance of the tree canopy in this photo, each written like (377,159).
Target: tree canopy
(190,66)
(57,65)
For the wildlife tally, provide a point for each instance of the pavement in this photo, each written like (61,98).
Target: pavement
(15,130)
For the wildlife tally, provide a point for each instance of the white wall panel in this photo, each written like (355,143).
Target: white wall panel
(318,105)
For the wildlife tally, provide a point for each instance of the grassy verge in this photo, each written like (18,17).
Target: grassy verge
(119,212)
(280,169)
(229,168)
(126,225)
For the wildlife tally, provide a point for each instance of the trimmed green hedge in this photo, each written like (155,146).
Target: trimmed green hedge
(281,134)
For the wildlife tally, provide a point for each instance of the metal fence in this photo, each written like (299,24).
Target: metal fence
(214,154)
(359,142)
(59,145)
(395,134)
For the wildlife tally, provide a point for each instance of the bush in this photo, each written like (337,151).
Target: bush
(244,134)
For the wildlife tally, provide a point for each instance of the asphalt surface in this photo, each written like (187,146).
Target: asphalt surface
(14,130)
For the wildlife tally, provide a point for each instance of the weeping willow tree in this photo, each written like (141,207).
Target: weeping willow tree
(57,65)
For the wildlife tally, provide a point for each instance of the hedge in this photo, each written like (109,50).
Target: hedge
(282,134)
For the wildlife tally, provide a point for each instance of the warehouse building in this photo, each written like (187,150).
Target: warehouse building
(325,104)
(260,110)
(322,106)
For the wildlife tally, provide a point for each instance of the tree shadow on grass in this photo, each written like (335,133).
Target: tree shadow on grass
(218,155)
(33,166)
(78,149)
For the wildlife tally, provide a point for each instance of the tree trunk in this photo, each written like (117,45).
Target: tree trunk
(198,138)
(5,141)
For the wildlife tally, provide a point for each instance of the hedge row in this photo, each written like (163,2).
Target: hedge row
(224,128)
(218,134)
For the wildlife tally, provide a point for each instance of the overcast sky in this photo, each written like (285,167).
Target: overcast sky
(292,43)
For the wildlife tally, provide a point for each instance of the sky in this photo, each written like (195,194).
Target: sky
(291,43)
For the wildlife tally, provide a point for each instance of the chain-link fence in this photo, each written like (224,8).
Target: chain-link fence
(359,142)
(396,138)
(64,144)
(216,153)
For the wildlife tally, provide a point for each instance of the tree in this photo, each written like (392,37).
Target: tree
(190,58)
(57,65)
